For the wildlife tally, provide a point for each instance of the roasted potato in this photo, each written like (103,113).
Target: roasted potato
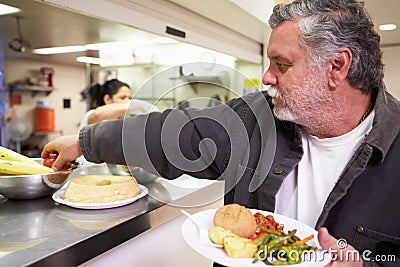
(217,234)
(240,247)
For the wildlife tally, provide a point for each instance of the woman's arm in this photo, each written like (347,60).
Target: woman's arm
(108,112)
(118,110)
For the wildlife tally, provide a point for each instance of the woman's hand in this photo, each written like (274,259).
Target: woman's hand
(343,254)
(67,148)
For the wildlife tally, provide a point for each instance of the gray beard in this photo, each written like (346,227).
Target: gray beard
(310,107)
(282,113)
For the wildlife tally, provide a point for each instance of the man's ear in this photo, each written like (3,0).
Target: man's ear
(339,67)
(107,99)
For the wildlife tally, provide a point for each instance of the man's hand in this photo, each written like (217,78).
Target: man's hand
(343,254)
(67,148)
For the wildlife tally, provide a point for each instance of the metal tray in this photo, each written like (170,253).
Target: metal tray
(33,186)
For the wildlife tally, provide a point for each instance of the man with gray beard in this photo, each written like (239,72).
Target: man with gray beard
(336,166)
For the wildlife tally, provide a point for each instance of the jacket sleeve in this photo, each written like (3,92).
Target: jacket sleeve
(385,261)
(169,143)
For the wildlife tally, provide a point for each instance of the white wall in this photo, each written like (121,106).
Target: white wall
(69,81)
(391,59)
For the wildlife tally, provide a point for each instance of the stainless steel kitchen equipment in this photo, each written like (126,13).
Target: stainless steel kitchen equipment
(32,186)
(141,175)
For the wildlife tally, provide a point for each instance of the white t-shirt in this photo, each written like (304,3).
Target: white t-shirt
(305,190)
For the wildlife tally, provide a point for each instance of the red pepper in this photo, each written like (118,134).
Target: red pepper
(257,234)
(49,161)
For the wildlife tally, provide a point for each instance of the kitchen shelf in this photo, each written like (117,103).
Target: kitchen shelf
(40,133)
(34,89)
(194,80)
(134,65)
(199,79)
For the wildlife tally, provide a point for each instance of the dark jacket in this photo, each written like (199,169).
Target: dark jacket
(254,153)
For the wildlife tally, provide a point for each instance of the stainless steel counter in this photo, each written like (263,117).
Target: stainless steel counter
(42,232)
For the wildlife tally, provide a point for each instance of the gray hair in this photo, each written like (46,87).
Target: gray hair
(329,25)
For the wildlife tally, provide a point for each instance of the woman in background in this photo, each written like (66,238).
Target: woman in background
(111,101)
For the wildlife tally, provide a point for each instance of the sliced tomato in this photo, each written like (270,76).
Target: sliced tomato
(257,235)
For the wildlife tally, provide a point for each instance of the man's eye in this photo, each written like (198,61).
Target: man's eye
(282,67)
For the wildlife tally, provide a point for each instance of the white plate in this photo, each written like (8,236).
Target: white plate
(205,218)
(95,206)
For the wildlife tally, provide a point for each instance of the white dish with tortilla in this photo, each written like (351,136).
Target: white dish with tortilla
(57,196)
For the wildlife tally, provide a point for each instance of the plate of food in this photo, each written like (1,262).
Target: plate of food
(100,192)
(254,238)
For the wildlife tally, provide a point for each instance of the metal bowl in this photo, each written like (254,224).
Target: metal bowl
(32,186)
(141,175)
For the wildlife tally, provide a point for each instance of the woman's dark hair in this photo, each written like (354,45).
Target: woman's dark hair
(97,92)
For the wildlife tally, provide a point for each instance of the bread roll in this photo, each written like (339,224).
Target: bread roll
(236,218)
(101,189)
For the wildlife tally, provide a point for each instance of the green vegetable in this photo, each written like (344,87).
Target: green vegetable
(285,249)
(273,232)
(279,241)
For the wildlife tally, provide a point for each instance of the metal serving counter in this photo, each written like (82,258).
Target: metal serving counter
(42,232)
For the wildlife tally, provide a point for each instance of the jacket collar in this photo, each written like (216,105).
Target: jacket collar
(386,125)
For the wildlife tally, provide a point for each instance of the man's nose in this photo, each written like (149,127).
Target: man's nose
(269,78)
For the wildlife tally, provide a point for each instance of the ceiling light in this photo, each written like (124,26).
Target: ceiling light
(91,60)
(59,50)
(4,9)
(99,46)
(387,27)
(119,45)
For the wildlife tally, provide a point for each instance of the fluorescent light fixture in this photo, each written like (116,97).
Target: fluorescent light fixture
(387,27)
(4,9)
(119,45)
(99,46)
(113,46)
(59,50)
(91,60)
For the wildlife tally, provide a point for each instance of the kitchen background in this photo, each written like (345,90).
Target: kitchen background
(135,40)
